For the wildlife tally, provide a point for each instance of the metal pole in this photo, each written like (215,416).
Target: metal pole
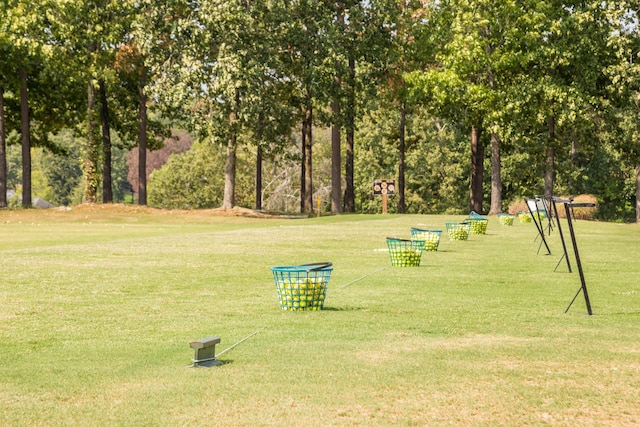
(538,225)
(239,342)
(567,207)
(547,211)
(564,246)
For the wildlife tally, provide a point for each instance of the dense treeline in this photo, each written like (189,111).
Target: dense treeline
(299,105)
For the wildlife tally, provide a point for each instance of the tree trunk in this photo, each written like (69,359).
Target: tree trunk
(303,166)
(229,195)
(496,180)
(308,162)
(107,188)
(26,140)
(92,143)
(142,142)
(638,193)
(228,200)
(401,149)
(477,170)
(550,158)
(349,192)
(259,162)
(91,149)
(3,154)
(259,178)
(336,162)
(574,162)
(336,152)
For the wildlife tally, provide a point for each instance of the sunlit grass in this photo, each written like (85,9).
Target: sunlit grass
(96,313)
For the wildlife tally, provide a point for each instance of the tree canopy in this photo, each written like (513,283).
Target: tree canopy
(469,104)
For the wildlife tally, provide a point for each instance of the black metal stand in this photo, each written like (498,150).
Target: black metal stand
(553,201)
(568,207)
(532,204)
(543,205)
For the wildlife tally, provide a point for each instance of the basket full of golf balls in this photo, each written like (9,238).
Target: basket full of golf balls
(431,238)
(506,219)
(457,230)
(405,253)
(302,287)
(524,217)
(477,223)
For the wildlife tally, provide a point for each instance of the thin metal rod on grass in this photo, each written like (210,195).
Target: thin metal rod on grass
(239,342)
(360,278)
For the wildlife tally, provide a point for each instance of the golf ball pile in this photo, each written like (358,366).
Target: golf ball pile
(458,231)
(478,226)
(431,240)
(302,294)
(460,234)
(506,219)
(406,258)
(524,218)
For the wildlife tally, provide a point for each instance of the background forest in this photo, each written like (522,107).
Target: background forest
(298,105)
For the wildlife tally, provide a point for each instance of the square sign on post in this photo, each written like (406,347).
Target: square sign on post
(384,187)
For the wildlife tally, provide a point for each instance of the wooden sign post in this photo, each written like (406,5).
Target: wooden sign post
(384,187)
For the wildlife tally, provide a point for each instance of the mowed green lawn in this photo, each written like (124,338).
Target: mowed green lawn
(97,309)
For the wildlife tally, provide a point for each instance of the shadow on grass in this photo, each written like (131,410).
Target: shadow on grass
(211,364)
(325,308)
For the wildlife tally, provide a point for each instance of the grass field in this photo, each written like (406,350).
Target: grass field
(98,306)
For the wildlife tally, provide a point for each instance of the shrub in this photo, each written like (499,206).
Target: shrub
(579,213)
(518,206)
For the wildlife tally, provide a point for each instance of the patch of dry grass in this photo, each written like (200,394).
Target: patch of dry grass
(118,212)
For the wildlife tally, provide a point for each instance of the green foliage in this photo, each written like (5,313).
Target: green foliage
(436,167)
(62,170)
(41,187)
(195,179)
(14,166)
(376,158)
(56,174)
(513,66)
(119,172)
(247,68)
(190,180)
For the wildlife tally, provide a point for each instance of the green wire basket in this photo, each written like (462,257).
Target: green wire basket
(405,253)
(431,238)
(524,217)
(477,223)
(302,287)
(458,230)
(506,219)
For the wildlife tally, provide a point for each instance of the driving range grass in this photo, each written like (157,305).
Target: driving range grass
(97,312)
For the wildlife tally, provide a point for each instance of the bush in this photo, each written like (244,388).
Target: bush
(518,206)
(190,180)
(581,213)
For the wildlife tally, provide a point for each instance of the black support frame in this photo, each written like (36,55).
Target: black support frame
(553,202)
(568,207)
(536,219)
